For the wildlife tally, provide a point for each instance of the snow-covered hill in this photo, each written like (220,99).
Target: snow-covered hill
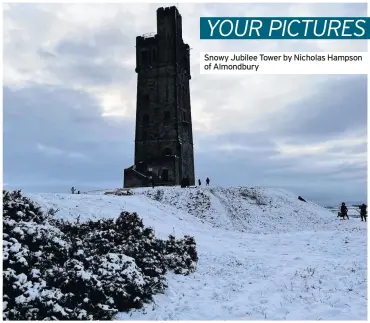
(263,254)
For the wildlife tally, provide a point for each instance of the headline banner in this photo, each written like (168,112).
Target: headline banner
(283,63)
(284,28)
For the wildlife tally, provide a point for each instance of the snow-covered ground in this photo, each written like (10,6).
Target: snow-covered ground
(263,254)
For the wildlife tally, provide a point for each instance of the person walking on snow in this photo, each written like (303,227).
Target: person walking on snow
(73,190)
(199,182)
(363,211)
(344,211)
(207,181)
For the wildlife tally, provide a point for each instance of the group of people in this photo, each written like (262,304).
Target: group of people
(207,182)
(344,211)
(185,182)
(73,190)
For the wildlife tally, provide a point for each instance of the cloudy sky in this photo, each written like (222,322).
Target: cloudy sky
(69,103)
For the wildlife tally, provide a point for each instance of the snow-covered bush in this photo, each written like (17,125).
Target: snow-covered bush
(253,194)
(181,255)
(58,270)
(196,202)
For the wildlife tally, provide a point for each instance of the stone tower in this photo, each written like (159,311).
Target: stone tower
(163,137)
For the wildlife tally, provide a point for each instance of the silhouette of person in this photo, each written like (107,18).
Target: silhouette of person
(363,214)
(73,190)
(199,182)
(344,211)
(207,181)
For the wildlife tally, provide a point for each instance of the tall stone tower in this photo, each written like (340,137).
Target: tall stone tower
(163,137)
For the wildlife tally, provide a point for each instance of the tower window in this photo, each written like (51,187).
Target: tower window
(144,57)
(146,120)
(167,117)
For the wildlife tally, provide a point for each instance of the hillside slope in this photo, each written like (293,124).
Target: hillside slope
(263,254)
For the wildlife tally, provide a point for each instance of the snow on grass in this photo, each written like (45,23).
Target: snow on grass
(263,254)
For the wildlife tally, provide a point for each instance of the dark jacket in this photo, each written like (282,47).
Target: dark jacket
(363,209)
(343,210)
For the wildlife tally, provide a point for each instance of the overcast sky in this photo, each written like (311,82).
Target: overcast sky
(70,95)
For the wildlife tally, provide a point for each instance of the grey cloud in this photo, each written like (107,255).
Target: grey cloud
(90,73)
(268,167)
(98,43)
(340,108)
(42,116)
(96,59)
(45,54)
(253,140)
(355,148)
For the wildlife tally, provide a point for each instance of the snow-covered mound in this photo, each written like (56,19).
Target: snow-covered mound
(254,210)
(263,254)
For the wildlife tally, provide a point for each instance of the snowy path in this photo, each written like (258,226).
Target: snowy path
(237,224)
(317,270)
